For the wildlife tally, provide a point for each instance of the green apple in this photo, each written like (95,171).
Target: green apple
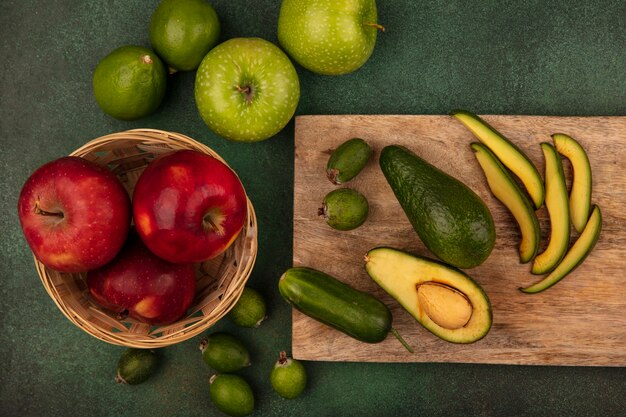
(246,89)
(330,37)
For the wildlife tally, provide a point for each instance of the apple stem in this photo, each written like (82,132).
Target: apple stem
(41,212)
(375,25)
(211,223)
(247,92)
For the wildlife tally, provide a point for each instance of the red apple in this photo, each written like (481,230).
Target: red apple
(145,286)
(75,214)
(189,206)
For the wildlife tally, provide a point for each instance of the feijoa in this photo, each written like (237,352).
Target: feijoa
(224,352)
(288,377)
(231,394)
(348,160)
(135,366)
(344,209)
(250,309)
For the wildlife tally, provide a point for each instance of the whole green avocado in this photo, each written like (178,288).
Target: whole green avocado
(451,220)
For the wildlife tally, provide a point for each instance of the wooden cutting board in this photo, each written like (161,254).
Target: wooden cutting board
(579,321)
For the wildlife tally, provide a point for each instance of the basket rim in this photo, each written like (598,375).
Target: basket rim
(245,260)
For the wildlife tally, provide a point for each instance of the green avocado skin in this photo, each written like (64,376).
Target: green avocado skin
(451,220)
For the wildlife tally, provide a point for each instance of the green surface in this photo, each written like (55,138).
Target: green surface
(504,57)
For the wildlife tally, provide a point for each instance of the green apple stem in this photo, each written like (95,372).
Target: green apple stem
(375,25)
(41,212)
(247,91)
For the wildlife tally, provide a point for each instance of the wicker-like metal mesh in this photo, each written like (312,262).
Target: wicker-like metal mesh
(220,281)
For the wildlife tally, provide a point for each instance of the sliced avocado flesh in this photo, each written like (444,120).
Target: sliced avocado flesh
(575,256)
(580,194)
(401,274)
(507,152)
(508,192)
(558,210)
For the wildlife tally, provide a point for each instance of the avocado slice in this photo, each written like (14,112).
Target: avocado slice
(580,194)
(451,220)
(507,152)
(558,209)
(435,294)
(575,256)
(508,192)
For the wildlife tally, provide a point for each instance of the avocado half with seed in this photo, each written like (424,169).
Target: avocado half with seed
(443,299)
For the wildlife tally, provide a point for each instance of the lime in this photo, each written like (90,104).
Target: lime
(129,83)
(231,394)
(249,311)
(135,366)
(224,352)
(288,377)
(183,31)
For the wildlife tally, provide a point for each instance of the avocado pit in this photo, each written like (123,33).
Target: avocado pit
(446,306)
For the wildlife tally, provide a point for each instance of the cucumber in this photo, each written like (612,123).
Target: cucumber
(326,299)
(348,160)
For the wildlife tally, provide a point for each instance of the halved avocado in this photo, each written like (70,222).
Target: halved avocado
(575,256)
(558,209)
(507,152)
(443,308)
(580,194)
(505,189)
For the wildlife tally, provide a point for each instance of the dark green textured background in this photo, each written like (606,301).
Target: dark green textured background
(502,57)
